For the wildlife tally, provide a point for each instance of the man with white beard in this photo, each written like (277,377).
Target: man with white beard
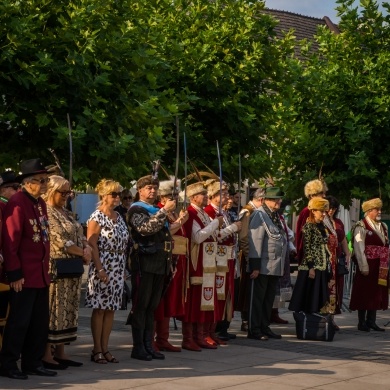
(371,253)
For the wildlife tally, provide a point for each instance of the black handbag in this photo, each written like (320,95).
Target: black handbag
(69,268)
(314,326)
(342,266)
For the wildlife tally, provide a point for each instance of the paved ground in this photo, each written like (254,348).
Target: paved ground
(354,360)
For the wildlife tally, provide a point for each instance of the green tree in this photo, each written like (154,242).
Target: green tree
(124,70)
(340,115)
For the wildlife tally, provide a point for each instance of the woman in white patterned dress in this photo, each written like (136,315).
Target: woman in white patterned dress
(108,236)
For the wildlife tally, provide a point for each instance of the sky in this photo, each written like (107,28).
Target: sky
(315,8)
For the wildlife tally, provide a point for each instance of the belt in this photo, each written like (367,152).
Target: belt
(111,251)
(166,245)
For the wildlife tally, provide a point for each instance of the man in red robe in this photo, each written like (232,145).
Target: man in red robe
(226,248)
(371,253)
(201,302)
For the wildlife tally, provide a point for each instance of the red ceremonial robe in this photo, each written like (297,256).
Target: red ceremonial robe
(367,294)
(229,279)
(173,302)
(193,312)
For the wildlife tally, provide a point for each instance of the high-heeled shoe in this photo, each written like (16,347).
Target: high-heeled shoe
(97,357)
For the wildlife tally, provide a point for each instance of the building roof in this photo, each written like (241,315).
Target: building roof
(304,27)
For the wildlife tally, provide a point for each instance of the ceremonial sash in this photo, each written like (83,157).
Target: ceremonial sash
(381,252)
(207,301)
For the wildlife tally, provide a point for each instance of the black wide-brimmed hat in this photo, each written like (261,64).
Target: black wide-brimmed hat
(7,177)
(30,168)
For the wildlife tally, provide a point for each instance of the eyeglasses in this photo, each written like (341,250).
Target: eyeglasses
(15,187)
(41,181)
(64,194)
(127,198)
(115,194)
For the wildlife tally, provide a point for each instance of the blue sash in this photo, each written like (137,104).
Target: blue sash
(151,209)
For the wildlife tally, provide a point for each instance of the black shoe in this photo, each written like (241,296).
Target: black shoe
(272,335)
(225,336)
(374,326)
(13,374)
(154,354)
(363,327)
(69,363)
(260,337)
(41,371)
(53,366)
(140,354)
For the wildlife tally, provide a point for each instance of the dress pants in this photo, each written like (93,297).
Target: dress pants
(262,295)
(147,297)
(26,330)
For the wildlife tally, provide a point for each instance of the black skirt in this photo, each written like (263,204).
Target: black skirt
(310,295)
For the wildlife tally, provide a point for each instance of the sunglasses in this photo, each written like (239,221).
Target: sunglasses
(115,194)
(15,187)
(41,181)
(64,194)
(127,198)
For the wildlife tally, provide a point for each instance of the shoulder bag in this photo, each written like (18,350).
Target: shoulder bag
(69,267)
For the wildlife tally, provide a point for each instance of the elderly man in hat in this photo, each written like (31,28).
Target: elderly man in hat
(226,248)
(268,244)
(26,253)
(243,294)
(371,253)
(150,263)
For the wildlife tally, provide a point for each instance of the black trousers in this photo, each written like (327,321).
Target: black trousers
(262,295)
(146,297)
(26,330)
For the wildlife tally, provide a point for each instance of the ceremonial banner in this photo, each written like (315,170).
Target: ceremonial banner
(208,291)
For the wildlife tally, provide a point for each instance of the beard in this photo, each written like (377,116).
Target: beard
(378,218)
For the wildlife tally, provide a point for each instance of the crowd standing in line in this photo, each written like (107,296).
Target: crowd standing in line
(183,264)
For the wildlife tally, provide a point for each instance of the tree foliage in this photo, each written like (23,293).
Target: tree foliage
(124,70)
(340,117)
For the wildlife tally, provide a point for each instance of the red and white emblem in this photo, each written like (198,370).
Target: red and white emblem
(219,281)
(207,293)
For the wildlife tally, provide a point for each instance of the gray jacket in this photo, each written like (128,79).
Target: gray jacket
(267,245)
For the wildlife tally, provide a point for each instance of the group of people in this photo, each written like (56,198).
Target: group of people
(323,256)
(196,264)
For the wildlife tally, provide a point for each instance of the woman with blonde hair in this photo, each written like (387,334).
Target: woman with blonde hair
(66,241)
(108,236)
